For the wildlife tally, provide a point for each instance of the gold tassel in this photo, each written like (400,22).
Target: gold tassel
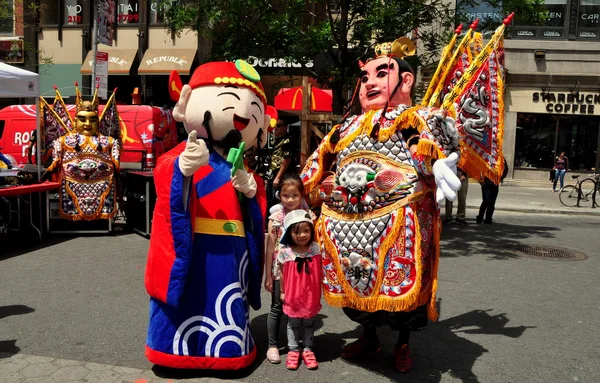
(429,148)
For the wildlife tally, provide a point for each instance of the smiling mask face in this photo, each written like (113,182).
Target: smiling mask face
(378,79)
(231,108)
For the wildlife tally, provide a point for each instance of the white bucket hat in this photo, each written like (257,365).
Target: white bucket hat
(293,217)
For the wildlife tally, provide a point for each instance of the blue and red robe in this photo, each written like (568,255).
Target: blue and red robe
(204,267)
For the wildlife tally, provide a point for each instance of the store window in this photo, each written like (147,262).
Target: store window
(157,13)
(489,16)
(537,142)
(588,25)
(128,12)
(544,20)
(7,20)
(48,12)
(73,14)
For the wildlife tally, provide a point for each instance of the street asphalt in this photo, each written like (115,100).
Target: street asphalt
(74,309)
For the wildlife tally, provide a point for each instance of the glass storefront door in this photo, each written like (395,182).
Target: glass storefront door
(537,142)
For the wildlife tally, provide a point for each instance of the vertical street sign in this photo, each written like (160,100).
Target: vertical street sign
(106,18)
(102,74)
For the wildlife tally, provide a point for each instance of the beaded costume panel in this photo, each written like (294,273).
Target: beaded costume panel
(379,223)
(87,165)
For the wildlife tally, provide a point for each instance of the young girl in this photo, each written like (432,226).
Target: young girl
(290,193)
(300,263)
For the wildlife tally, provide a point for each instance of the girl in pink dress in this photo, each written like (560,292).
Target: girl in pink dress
(290,193)
(299,262)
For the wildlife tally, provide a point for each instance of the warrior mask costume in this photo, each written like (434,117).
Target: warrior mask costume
(86,151)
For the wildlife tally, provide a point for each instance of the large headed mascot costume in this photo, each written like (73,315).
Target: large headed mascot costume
(380,226)
(86,151)
(205,260)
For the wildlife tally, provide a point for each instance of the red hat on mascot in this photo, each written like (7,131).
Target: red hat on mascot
(238,73)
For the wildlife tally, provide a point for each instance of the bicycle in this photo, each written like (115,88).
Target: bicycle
(585,193)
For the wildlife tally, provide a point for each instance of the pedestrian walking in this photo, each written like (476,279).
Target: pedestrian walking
(489,194)
(299,266)
(291,195)
(462,201)
(561,164)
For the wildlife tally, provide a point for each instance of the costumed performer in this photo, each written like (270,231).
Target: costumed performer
(86,152)
(204,265)
(380,226)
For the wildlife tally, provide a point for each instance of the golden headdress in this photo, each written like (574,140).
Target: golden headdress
(81,104)
(401,47)
(57,121)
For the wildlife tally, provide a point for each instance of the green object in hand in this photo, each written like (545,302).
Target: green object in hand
(236,158)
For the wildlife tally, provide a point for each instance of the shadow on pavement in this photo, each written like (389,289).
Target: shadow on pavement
(439,349)
(18,244)
(9,347)
(6,311)
(494,239)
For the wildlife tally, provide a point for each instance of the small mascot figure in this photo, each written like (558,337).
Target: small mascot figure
(205,260)
(86,151)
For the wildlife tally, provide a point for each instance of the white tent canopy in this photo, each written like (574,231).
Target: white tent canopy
(16,82)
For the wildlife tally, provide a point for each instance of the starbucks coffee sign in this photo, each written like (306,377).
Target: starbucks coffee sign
(568,103)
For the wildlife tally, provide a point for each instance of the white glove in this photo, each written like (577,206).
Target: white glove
(244,183)
(194,156)
(444,172)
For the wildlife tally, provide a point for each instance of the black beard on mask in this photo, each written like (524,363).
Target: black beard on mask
(231,140)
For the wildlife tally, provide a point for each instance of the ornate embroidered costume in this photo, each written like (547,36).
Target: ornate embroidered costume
(86,153)
(204,267)
(379,224)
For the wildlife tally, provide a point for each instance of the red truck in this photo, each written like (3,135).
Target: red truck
(147,132)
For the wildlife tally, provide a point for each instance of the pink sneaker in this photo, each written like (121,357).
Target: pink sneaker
(293,360)
(309,359)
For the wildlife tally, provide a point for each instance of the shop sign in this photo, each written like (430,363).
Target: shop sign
(277,63)
(524,32)
(114,60)
(588,35)
(74,14)
(567,103)
(169,59)
(552,33)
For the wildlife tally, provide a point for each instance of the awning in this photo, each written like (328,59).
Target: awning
(291,99)
(119,61)
(163,61)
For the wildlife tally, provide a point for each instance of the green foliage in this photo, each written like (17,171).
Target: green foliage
(345,30)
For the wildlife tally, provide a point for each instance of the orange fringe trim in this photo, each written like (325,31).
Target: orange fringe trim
(406,302)
(429,148)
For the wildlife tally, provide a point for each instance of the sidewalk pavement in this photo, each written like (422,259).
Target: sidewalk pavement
(527,200)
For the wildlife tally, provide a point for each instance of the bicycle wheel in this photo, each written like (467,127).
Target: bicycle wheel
(587,188)
(597,196)
(568,196)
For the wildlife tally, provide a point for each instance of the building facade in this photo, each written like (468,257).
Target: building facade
(552,98)
(18,43)
(142,55)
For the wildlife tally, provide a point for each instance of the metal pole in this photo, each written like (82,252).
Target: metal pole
(94,44)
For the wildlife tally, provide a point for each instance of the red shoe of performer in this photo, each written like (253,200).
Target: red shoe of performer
(309,359)
(361,347)
(293,360)
(402,358)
